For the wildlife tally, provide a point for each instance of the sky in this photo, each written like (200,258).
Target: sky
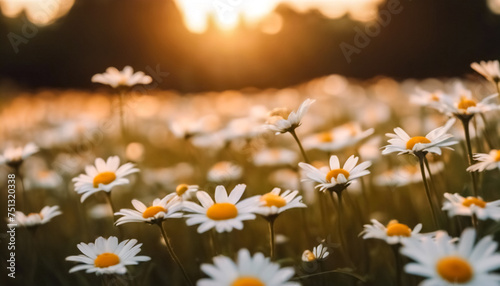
(280,47)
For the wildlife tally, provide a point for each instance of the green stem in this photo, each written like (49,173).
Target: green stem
(271,237)
(340,228)
(433,188)
(421,156)
(399,264)
(300,145)
(173,255)
(465,123)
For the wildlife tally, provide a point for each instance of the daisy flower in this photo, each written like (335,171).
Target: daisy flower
(14,157)
(275,157)
(124,78)
(103,176)
(185,191)
(338,138)
(458,205)
(282,120)
(462,104)
(402,143)
(226,213)
(425,98)
(319,252)
(273,203)
(393,233)
(490,70)
(247,270)
(488,161)
(160,209)
(328,179)
(35,219)
(224,171)
(106,256)
(447,263)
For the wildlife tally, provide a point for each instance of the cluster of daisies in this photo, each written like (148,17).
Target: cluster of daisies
(436,256)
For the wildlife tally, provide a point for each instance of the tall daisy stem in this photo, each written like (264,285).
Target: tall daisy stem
(427,189)
(173,255)
(110,202)
(294,134)
(465,123)
(340,228)
(397,259)
(270,221)
(434,189)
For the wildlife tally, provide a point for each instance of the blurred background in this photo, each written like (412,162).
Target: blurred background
(231,44)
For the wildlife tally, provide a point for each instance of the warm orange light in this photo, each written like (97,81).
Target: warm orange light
(39,12)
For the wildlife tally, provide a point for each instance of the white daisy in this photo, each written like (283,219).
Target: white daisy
(160,209)
(275,157)
(15,156)
(328,179)
(490,70)
(319,252)
(273,203)
(282,120)
(224,171)
(106,256)
(225,213)
(458,205)
(35,219)
(338,138)
(449,264)
(461,103)
(402,143)
(426,98)
(103,176)
(185,191)
(486,161)
(246,271)
(393,233)
(124,78)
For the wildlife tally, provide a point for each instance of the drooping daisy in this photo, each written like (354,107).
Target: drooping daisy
(319,252)
(106,256)
(185,191)
(490,70)
(246,271)
(103,176)
(224,171)
(446,263)
(328,179)
(393,233)
(402,143)
(14,157)
(35,219)
(226,213)
(282,120)
(160,209)
(124,78)
(487,162)
(458,205)
(273,203)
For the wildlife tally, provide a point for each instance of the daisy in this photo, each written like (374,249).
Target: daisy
(247,270)
(338,138)
(14,157)
(490,70)
(282,120)
(319,252)
(393,233)
(486,161)
(106,256)
(336,176)
(402,143)
(462,104)
(103,176)
(275,157)
(185,191)
(226,213)
(425,98)
(447,263)
(36,219)
(273,203)
(124,78)
(224,171)
(160,209)
(458,205)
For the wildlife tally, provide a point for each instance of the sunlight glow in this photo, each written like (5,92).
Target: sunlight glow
(227,14)
(39,12)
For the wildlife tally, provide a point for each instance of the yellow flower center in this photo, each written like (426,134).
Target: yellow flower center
(466,103)
(497,155)
(104,178)
(282,112)
(325,137)
(271,199)
(222,211)
(106,259)
(310,256)
(394,228)
(434,97)
(247,281)
(415,140)
(152,211)
(181,189)
(474,201)
(335,173)
(454,269)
